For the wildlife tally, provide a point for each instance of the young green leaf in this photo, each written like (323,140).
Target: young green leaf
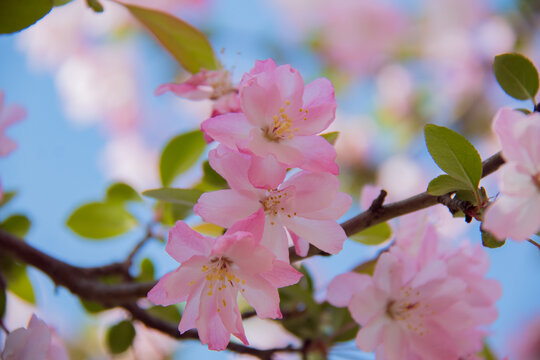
(101,220)
(19,283)
(120,337)
(331,137)
(454,154)
(186,197)
(211,180)
(180,154)
(147,270)
(7,197)
(517,75)
(120,193)
(92,307)
(16,15)
(373,235)
(16,224)
(490,241)
(185,43)
(443,184)
(166,313)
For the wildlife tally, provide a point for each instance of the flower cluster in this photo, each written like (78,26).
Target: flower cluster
(275,129)
(423,301)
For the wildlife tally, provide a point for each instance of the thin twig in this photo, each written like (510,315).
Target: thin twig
(534,243)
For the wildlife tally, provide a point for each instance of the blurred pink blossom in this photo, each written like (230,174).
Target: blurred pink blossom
(36,342)
(9,115)
(525,344)
(516,211)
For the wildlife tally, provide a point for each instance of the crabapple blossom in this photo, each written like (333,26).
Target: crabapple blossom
(214,85)
(431,306)
(516,212)
(279,120)
(214,271)
(304,207)
(9,115)
(36,342)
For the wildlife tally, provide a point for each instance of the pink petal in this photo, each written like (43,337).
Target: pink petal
(233,166)
(387,275)
(326,235)
(318,153)
(6,145)
(320,102)
(224,207)
(371,335)
(176,286)
(266,172)
(286,154)
(191,311)
(275,238)
(253,224)
(231,129)
(261,66)
(395,345)
(185,242)
(209,325)
(264,298)
(230,314)
(314,191)
(186,90)
(260,103)
(301,246)
(513,217)
(368,304)
(341,204)
(344,286)
(241,248)
(282,274)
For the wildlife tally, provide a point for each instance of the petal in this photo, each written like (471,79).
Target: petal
(318,153)
(230,129)
(191,311)
(275,238)
(371,335)
(233,166)
(394,343)
(301,246)
(186,90)
(282,274)
(320,103)
(6,145)
(344,286)
(513,217)
(266,172)
(368,304)
(284,153)
(250,257)
(230,314)
(326,235)
(185,242)
(341,204)
(260,103)
(209,325)
(253,224)
(224,207)
(175,287)
(264,297)
(314,191)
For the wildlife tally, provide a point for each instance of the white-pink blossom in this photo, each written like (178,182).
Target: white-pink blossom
(212,274)
(516,211)
(9,115)
(305,207)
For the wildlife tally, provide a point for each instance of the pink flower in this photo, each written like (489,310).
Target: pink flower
(516,212)
(427,307)
(34,343)
(305,207)
(8,115)
(214,271)
(526,343)
(280,119)
(214,85)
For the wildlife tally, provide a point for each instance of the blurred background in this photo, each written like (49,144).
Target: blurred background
(87,82)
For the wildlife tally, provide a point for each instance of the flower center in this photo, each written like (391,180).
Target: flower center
(536,180)
(281,125)
(220,275)
(409,311)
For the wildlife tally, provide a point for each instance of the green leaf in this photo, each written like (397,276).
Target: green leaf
(16,15)
(444,184)
(490,241)
(101,220)
(147,270)
(2,302)
(185,43)
(368,267)
(343,327)
(211,180)
(121,192)
(187,197)
(20,285)
(7,197)
(373,235)
(465,195)
(120,337)
(16,224)
(487,353)
(517,75)
(92,307)
(331,137)
(167,313)
(60,2)
(180,154)
(95,5)
(454,154)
